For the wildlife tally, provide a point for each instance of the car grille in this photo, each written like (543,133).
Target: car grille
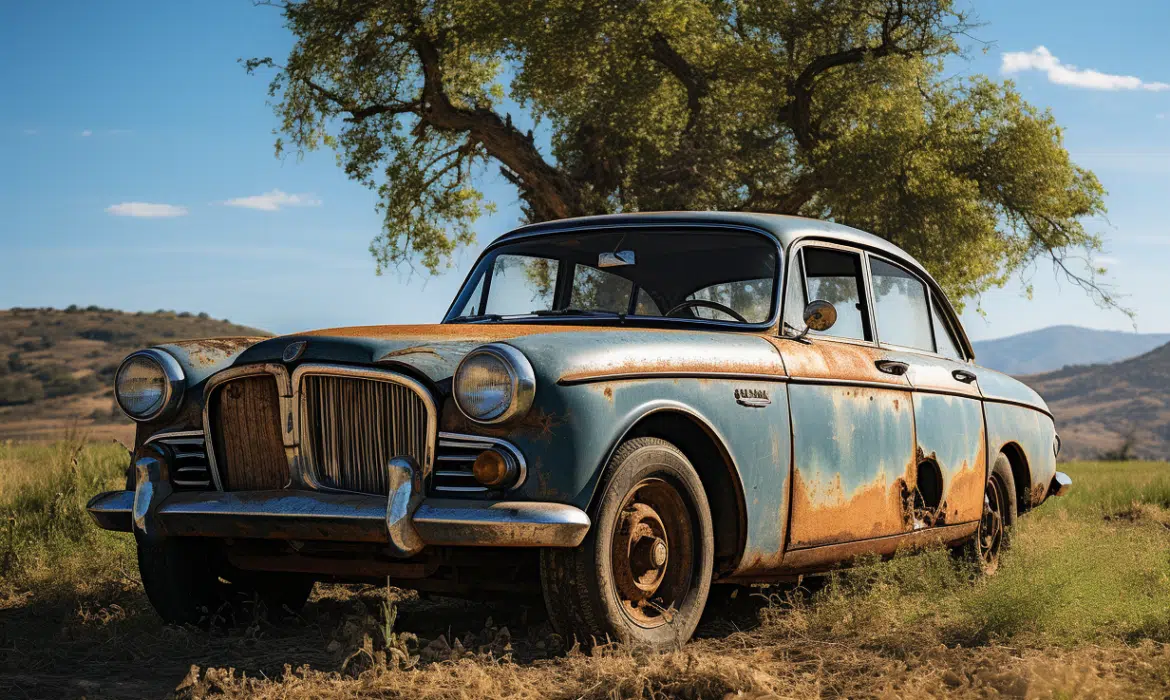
(455,456)
(190,469)
(249,450)
(351,427)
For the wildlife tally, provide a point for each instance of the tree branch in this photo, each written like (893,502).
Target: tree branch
(693,80)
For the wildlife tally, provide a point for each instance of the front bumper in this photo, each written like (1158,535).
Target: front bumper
(404,521)
(1060,484)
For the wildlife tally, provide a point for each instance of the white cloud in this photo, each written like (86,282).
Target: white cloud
(1106,261)
(146,210)
(1041,59)
(87,132)
(274,200)
(1161,115)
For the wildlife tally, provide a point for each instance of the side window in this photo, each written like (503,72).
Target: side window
(646,305)
(899,302)
(947,346)
(597,290)
(835,276)
(521,284)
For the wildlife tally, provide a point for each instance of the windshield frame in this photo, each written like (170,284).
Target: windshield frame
(467,288)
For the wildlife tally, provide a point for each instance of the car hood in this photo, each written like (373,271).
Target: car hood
(560,352)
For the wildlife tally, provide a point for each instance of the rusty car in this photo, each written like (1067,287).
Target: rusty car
(616,413)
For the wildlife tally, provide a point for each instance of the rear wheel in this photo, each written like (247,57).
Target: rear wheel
(643,573)
(998,517)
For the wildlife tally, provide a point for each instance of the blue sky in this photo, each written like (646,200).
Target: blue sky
(110,104)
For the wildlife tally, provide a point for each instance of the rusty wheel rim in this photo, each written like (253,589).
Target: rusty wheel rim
(991,528)
(653,553)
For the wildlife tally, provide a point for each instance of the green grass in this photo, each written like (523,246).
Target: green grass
(48,543)
(1080,607)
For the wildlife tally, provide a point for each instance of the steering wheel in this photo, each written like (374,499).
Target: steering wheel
(692,303)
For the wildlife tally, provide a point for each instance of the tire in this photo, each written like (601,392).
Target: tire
(998,519)
(179,578)
(642,574)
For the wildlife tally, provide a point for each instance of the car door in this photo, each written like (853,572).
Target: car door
(950,454)
(852,420)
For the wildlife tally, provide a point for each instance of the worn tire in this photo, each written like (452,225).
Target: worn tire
(179,578)
(999,503)
(583,587)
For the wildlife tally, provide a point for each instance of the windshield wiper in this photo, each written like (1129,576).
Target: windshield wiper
(577,312)
(478,317)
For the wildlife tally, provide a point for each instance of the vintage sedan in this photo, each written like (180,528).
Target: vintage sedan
(616,412)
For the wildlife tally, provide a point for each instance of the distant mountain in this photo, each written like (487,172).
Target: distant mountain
(57,365)
(1107,408)
(1055,347)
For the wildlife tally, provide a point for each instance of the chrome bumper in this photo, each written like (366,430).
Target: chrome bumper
(404,521)
(1060,484)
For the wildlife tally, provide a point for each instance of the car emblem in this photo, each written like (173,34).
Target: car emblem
(293,351)
(755,398)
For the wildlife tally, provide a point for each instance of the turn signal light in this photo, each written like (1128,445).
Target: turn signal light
(495,469)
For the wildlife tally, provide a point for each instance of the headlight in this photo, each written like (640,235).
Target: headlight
(494,383)
(148,384)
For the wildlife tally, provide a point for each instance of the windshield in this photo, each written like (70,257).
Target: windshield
(720,276)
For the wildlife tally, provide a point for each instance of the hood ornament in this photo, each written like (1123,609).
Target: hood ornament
(293,351)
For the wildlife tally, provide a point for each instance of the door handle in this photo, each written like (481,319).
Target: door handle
(893,367)
(964,376)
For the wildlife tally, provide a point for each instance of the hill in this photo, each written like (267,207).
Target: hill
(57,366)
(1052,348)
(1099,408)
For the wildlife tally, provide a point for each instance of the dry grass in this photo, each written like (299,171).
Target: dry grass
(1079,608)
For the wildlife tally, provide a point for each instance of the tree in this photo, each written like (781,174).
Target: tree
(836,109)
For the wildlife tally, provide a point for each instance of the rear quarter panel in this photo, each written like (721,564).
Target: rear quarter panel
(1018,419)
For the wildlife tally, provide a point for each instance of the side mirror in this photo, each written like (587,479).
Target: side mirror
(820,315)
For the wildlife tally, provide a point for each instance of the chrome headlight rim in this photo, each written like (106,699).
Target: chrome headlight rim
(521,376)
(173,388)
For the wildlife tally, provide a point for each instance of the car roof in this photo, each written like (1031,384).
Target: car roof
(785,229)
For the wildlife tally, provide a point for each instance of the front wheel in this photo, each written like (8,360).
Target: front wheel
(643,572)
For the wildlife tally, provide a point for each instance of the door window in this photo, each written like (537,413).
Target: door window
(835,276)
(947,346)
(899,301)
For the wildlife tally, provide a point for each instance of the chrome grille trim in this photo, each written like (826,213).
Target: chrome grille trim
(384,422)
(192,469)
(457,452)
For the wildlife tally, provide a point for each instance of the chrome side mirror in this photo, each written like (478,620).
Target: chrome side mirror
(820,315)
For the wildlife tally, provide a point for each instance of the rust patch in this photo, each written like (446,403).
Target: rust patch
(416,350)
(823,515)
(1039,491)
(608,394)
(210,351)
(834,361)
(538,425)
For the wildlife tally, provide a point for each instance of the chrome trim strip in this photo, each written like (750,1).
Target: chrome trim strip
(500,523)
(283,389)
(177,436)
(623,376)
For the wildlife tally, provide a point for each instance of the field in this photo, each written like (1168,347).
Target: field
(1079,608)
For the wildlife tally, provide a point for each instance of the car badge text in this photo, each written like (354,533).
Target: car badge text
(756,398)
